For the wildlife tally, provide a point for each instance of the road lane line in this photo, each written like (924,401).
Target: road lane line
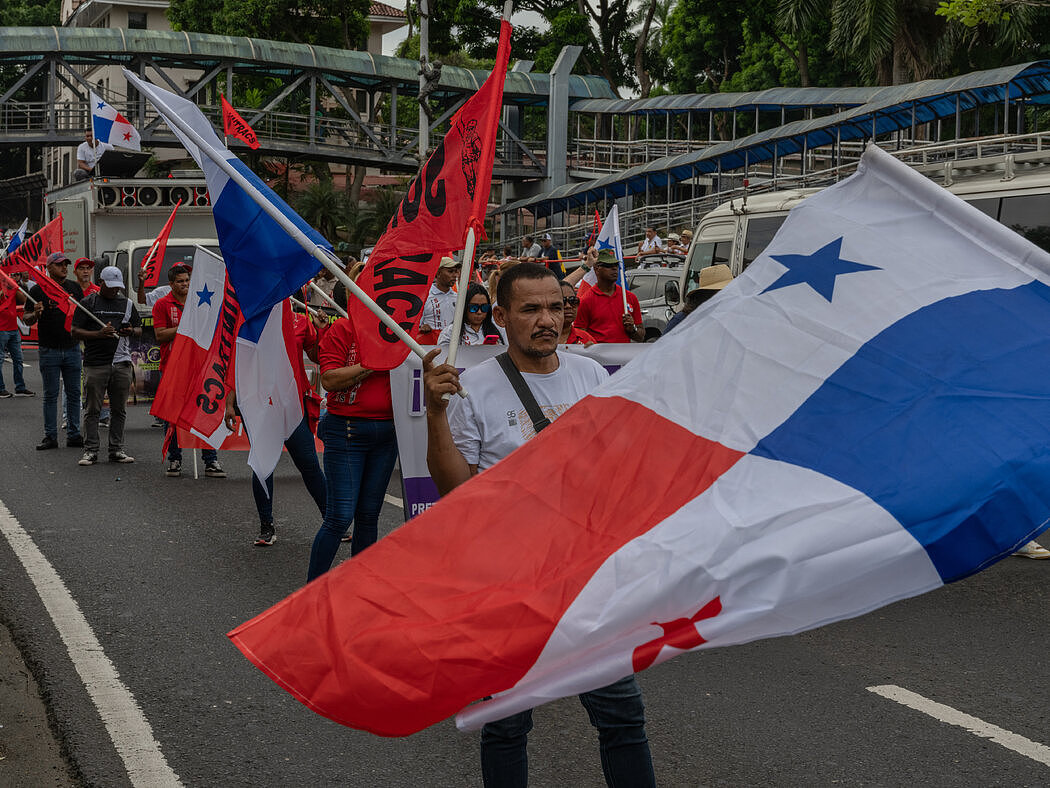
(1011,741)
(396,501)
(125,722)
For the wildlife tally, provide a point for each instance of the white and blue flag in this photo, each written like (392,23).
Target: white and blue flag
(18,237)
(266,264)
(110,126)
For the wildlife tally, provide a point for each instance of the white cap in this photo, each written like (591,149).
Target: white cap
(111,276)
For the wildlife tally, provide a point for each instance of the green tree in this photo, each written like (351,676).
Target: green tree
(29,13)
(340,23)
(323,207)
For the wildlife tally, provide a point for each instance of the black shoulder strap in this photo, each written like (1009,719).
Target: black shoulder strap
(521,388)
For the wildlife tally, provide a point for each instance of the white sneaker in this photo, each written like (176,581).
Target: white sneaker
(89,458)
(1033,550)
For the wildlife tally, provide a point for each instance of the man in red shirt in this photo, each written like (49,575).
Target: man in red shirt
(10,339)
(167,313)
(601,309)
(82,269)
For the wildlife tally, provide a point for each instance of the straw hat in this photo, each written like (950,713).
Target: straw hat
(715,277)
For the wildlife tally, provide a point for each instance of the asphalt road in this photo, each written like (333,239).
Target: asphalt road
(163,568)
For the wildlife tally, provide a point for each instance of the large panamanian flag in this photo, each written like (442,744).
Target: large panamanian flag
(862,416)
(266,264)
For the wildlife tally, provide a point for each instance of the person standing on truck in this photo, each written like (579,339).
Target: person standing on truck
(601,314)
(107,362)
(88,154)
(59,356)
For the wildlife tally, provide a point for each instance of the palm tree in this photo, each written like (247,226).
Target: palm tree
(323,207)
(895,41)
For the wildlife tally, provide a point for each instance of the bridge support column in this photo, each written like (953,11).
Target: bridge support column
(557,121)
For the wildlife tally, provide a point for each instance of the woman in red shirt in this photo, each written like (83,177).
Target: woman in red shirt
(360,447)
(570,335)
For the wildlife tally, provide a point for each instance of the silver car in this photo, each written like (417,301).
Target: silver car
(648,286)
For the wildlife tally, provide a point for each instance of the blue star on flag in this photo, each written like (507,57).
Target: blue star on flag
(205,296)
(818,270)
(606,243)
(101,105)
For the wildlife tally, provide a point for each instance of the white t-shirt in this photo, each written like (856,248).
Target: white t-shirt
(440,309)
(651,245)
(89,155)
(533,251)
(491,422)
(157,293)
(469,336)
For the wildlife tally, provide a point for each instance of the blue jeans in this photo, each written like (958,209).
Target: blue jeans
(301,449)
(359,456)
(11,343)
(616,711)
(175,452)
(61,368)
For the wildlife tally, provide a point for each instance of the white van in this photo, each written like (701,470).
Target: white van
(736,232)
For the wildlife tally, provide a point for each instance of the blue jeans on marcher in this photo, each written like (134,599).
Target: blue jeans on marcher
(301,449)
(11,343)
(61,368)
(208,455)
(617,711)
(359,456)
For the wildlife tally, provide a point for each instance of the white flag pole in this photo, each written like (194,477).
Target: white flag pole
(461,296)
(286,224)
(329,299)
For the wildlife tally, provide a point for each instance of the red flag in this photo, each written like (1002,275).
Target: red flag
(198,373)
(35,249)
(448,196)
(233,125)
(594,230)
(151,265)
(53,290)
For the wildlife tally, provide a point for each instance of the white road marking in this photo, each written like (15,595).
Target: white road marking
(1011,741)
(128,727)
(396,501)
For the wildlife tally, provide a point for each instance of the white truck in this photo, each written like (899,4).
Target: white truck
(1014,189)
(118,219)
(115,220)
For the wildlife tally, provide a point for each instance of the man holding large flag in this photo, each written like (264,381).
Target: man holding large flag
(466,436)
(167,314)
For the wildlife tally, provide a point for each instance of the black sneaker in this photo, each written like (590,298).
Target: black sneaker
(119,456)
(214,470)
(75,442)
(24,393)
(5,394)
(267,535)
(174,468)
(89,458)
(47,443)
(104,422)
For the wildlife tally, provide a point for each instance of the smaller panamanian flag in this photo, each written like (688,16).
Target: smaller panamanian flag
(110,126)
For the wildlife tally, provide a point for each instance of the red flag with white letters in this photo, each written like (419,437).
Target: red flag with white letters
(449,196)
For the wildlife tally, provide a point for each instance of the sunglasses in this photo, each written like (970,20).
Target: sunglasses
(571,301)
(475,308)
(606,265)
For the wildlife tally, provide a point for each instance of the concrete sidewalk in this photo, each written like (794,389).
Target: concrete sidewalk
(30,756)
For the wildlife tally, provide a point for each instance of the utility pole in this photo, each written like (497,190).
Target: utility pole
(424,57)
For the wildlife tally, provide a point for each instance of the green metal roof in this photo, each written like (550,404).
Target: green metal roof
(200,50)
